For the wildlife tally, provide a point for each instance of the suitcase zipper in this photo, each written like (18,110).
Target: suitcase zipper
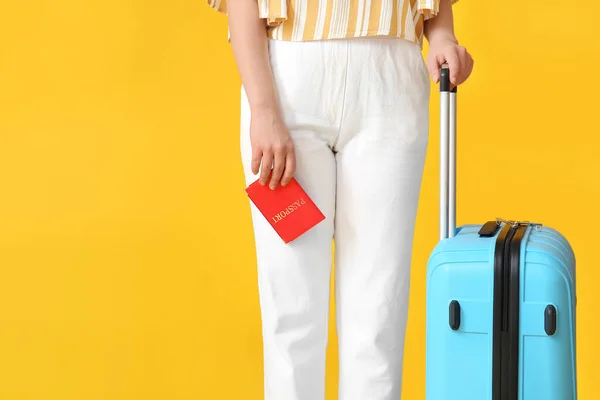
(506,312)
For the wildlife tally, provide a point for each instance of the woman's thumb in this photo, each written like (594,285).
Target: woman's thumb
(434,70)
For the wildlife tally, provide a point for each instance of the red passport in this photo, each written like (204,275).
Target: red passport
(289,210)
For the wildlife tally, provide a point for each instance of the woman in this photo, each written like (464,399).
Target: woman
(335,93)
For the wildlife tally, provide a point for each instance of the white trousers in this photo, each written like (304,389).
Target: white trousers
(357,111)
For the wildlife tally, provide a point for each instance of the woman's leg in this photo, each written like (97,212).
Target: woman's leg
(381,153)
(294,279)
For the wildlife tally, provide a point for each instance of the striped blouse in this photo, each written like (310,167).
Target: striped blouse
(304,20)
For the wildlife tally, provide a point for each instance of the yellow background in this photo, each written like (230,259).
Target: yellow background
(126,254)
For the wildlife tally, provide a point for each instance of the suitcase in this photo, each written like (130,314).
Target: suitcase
(500,300)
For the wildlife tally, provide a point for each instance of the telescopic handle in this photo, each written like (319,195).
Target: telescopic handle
(447,155)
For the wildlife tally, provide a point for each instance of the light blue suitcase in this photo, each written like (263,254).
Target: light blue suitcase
(500,321)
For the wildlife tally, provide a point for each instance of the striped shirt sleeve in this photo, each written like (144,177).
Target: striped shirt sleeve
(219,5)
(273,11)
(430,8)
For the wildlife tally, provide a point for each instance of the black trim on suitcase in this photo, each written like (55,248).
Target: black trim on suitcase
(454,315)
(489,229)
(505,374)
(550,320)
(514,310)
(498,335)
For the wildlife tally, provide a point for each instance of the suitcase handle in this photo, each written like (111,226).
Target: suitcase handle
(447,155)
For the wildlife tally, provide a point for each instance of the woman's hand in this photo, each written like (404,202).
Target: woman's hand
(444,48)
(272,148)
(460,62)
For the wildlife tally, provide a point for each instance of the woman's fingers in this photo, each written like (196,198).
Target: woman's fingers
(266,166)
(460,64)
(256,157)
(433,67)
(458,59)
(468,68)
(272,150)
(284,165)
(465,64)
(290,167)
(278,166)
(451,56)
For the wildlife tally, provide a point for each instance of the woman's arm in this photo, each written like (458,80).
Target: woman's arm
(272,146)
(248,35)
(444,47)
